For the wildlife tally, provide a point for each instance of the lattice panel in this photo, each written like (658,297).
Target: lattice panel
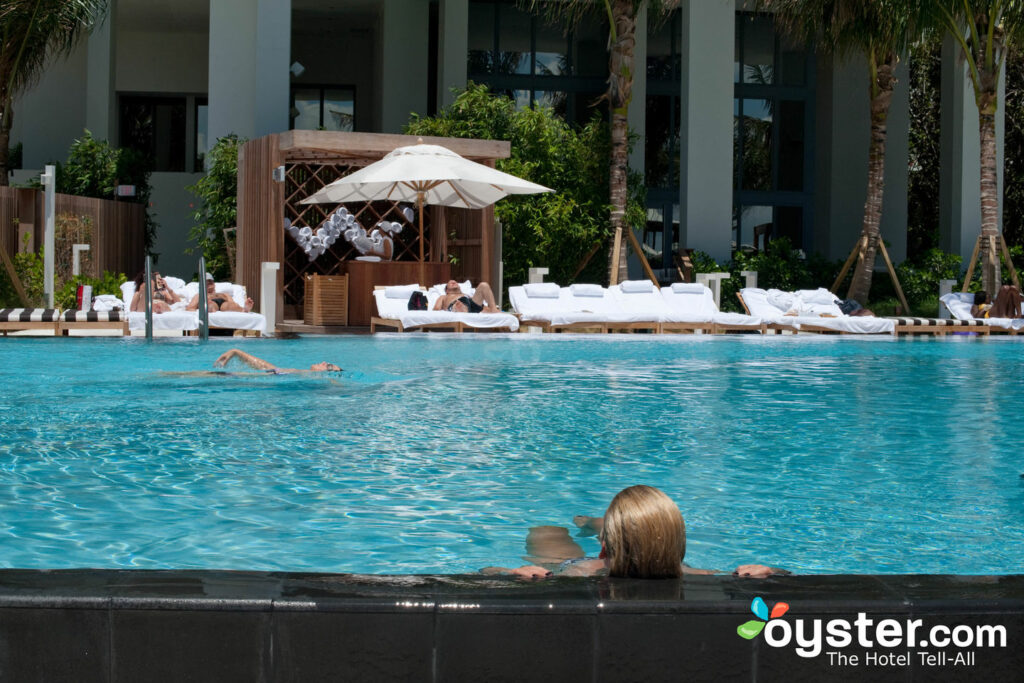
(302,179)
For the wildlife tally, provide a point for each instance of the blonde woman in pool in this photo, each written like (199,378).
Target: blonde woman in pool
(643,536)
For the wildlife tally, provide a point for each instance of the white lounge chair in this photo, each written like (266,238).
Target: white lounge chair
(181,320)
(808,311)
(556,309)
(959,305)
(19,319)
(393,312)
(691,306)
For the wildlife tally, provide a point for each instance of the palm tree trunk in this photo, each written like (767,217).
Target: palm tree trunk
(6,119)
(882,84)
(991,277)
(620,92)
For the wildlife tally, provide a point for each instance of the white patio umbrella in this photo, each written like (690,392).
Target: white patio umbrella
(425,174)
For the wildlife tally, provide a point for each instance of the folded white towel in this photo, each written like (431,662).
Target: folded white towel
(401,292)
(596,291)
(107,302)
(637,286)
(687,288)
(542,290)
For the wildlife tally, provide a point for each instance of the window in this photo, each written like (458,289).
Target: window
(323,108)
(772,134)
(519,54)
(163,128)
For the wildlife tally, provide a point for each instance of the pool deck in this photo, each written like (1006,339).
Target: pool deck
(113,625)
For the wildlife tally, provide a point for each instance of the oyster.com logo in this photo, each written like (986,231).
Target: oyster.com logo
(753,628)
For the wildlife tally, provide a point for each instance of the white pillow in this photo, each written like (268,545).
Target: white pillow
(596,291)
(175,283)
(466,287)
(127,292)
(403,292)
(687,288)
(542,290)
(816,296)
(637,286)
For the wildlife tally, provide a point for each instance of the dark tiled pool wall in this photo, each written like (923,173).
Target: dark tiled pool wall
(98,625)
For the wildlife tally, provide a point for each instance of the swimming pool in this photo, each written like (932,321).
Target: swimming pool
(435,453)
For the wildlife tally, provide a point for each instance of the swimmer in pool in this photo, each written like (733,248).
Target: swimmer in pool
(643,536)
(260,364)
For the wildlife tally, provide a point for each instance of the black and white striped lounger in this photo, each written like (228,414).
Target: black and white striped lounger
(93,320)
(17,319)
(939,326)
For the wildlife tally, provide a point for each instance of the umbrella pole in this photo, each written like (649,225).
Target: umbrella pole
(419,201)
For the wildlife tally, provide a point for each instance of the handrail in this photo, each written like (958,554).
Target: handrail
(148,284)
(204,306)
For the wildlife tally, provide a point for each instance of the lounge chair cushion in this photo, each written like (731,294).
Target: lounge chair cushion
(400,292)
(28,315)
(637,286)
(542,290)
(93,316)
(587,290)
(687,288)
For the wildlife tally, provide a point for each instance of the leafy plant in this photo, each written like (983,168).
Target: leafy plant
(29,268)
(554,230)
(218,192)
(95,169)
(66,295)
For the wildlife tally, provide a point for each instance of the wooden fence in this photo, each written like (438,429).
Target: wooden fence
(118,228)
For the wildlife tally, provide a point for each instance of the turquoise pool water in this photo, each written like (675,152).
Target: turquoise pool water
(435,453)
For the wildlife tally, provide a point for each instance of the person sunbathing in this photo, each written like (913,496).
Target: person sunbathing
(161,294)
(260,364)
(219,301)
(454,300)
(1006,305)
(643,536)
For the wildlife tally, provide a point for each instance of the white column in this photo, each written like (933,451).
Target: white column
(960,163)
(404,48)
(250,52)
(101,85)
(269,294)
(705,165)
(49,182)
(638,105)
(452,48)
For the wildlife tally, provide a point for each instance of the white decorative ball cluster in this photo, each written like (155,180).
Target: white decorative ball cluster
(316,243)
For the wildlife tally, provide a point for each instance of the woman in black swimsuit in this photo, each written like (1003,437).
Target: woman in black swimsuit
(162,295)
(218,301)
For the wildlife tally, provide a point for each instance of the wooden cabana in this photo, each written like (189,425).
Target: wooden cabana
(309,160)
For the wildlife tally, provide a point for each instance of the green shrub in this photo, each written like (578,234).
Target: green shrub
(218,194)
(920,279)
(29,268)
(95,169)
(67,294)
(554,230)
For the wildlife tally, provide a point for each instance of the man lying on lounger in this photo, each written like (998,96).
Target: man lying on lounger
(454,300)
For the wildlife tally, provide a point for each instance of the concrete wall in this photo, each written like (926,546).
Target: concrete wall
(171,206)
(161,62)
(403,63)
(841,159)
(51,115)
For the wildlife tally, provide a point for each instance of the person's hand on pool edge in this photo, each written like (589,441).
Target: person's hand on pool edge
(758,571)
(526,572)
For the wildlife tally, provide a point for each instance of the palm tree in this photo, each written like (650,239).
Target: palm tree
(622,15)
(33,31)
(986,31)
(880,31)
